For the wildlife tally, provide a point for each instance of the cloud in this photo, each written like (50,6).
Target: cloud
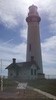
(50,72)
(11,11)
(4,43)
(49,54)
(9,51)
(24,34)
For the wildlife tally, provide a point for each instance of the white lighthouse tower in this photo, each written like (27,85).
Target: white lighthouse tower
(33,38)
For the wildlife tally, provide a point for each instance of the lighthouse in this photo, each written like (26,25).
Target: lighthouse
(32,68)
(33,37)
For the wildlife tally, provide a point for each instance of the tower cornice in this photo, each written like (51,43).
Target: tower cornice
(33,19)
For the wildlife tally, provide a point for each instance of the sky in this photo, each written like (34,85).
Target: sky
(13,32)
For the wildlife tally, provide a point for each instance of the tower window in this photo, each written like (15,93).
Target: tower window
(34,71)
(31,71)
(32,58)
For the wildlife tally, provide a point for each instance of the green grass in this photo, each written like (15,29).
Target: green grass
(8,82)
(47,85)
(43,84)
(8,85)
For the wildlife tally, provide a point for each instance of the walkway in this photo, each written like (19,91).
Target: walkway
(44,93)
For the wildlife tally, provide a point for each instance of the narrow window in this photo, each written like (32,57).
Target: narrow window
(34,71)
(31,71)
(32,58)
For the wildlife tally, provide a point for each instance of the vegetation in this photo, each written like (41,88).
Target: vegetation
(47,85)
(43,84)
(8,84)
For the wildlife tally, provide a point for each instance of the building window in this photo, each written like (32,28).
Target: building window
(34,71)
(31,71)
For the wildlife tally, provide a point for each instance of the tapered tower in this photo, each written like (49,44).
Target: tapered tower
(33,38)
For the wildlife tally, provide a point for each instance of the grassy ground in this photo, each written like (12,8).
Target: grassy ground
(8,85)
(10,90)
(47,85)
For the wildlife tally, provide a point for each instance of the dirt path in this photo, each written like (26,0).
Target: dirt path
(22,95)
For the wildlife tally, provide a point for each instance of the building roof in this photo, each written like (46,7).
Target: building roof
(22,64)
(12,65)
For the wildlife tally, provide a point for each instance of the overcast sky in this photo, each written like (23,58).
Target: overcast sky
(13,31)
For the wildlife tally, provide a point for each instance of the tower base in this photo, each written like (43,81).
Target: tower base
(41,75)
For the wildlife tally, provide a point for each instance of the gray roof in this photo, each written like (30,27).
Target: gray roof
(22,64)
